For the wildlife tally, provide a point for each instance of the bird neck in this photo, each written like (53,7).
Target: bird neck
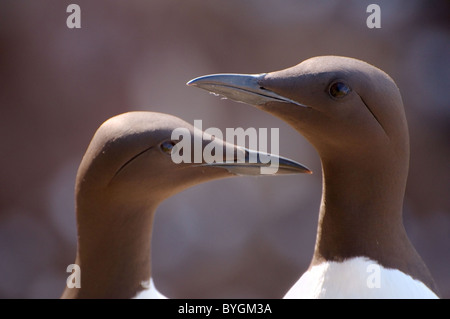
(361,216)
(114,243)
(360,212)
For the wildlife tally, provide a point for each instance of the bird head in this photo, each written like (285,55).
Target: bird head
(129,160)
(341,105)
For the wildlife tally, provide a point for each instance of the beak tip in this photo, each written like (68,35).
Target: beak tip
(195,81)
(305,170)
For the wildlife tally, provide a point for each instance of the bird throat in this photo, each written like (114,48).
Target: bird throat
(360,212)
(361,216)
(122,237)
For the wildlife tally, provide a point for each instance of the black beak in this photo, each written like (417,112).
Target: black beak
(249,162)
(244,88)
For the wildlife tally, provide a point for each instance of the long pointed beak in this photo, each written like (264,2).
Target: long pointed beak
(259,163)
(244,88)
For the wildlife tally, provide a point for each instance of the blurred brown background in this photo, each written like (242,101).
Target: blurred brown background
(246,237)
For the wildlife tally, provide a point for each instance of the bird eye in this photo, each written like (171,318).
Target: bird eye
(339,90)
(167,146)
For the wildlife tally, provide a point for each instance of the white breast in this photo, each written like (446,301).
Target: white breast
(150,292)
(357,278)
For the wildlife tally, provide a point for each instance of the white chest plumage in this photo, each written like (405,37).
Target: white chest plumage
(150,292)
(357,278)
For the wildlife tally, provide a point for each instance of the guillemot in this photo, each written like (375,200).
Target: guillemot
(353,114)
(125,174)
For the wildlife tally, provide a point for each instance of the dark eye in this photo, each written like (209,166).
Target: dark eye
(167,146)
(339,90)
